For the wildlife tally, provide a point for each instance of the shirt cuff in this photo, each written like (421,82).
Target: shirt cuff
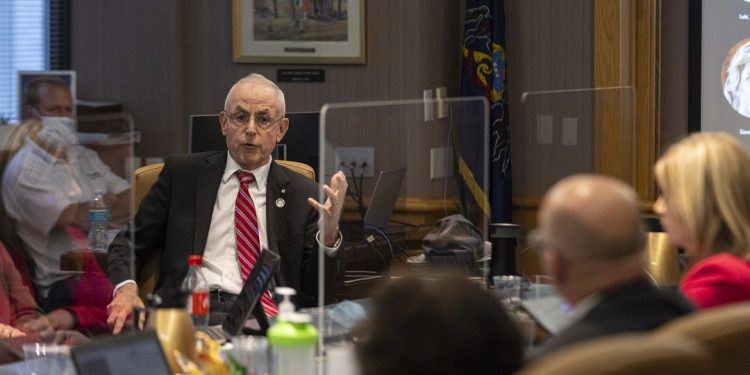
(122,284)
(330,251)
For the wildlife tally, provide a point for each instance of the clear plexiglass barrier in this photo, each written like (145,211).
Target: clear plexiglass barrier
(67,192)
(558,133)
(408,164)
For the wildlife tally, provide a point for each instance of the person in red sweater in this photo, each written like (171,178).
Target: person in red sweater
(704,207)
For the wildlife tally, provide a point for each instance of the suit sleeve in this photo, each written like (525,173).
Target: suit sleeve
(311,264)
(310,261)
(150,228)
(716,281)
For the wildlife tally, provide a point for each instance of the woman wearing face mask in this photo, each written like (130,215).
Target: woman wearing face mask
(705,209)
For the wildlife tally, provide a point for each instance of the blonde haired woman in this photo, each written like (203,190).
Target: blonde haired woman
(705,209)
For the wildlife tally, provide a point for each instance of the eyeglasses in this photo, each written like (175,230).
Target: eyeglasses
(242,119)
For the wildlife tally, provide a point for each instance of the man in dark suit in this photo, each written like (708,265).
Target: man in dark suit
(591,241)
(191,209)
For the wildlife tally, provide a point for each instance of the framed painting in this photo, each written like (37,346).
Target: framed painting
(298,31)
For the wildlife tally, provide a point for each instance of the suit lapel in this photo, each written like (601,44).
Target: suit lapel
(208,178)
(276,204)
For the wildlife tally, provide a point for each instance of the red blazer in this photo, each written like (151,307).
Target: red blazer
(16,301)
(717,280)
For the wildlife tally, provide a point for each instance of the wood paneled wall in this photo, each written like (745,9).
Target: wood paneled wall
(550,73)
(626,44)
(603,70)
(550,65)
(674,72)
(168,59)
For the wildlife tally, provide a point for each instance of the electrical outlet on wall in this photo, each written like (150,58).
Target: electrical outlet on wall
(544,132)
(428,105)
(359,159)
(441,93)
(440,161)
(569,131)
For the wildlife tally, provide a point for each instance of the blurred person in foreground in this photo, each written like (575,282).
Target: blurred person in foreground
(704,207)
(21,321)
(46,190)
(446,325)
(591,242)
(19,314)
(201,204)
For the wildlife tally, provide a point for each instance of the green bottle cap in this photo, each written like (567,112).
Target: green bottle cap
(291,333)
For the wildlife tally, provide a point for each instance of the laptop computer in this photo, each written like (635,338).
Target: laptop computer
(384,197)
(551,311)
(115,355)
(248,301)
(205,134)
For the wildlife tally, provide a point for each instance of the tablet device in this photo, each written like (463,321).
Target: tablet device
(127,353)
(248,302)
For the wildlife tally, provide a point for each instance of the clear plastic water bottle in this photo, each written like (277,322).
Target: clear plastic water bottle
(98,223)
(195,287)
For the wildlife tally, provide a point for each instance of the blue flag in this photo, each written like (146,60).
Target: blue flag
(483,74)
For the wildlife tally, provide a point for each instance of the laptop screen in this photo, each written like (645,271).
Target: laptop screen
(256,284)
(384,197)
(115,355)
(205,134)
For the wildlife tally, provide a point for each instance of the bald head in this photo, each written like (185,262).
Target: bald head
(592,218)
(257,79)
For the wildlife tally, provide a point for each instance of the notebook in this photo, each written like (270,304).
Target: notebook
(248,300)
(114,355)
(384,197)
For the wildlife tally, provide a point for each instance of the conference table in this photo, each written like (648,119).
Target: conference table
(26,367)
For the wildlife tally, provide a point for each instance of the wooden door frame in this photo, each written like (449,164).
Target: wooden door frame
(627,34)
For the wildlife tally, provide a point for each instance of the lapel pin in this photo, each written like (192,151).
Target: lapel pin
(283,191)
(280,202)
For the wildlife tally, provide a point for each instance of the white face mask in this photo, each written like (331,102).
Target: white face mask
(58,131)
(69,123)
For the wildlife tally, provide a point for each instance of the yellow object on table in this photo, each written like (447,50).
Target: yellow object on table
(186,365)
(208,355)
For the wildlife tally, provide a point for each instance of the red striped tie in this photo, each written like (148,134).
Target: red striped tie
(248,241)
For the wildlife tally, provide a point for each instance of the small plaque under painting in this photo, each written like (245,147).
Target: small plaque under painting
(300,75)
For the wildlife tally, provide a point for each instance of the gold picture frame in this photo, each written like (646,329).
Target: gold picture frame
(299,31)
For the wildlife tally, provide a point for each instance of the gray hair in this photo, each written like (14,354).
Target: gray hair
(261,80)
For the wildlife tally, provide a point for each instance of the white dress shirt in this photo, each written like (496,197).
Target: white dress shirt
(220,266)
(37,187)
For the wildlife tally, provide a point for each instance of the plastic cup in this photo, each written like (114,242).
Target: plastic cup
(47,359)
(540,286)
(508,288)
(341,360)
(252,353)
